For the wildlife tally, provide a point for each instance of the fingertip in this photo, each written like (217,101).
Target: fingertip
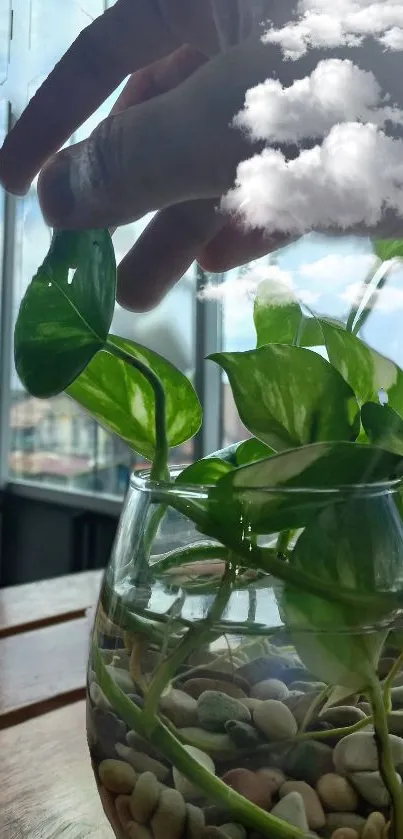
(55,195)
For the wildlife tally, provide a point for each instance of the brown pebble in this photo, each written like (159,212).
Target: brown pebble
(195,687)
(336,793)
(122,803)
(137,831)
(212,832)
(345,833)
(313,807)
(252,786)
(170,815)
(231,677)
(117,776)
(275,778)
(374,826)
(194,822)
(144,798)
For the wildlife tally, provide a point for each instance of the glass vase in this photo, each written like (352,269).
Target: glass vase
(226,702)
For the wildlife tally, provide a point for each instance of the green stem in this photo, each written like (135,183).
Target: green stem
(364,315)
(192,553)
(194,638)
(242,810)
(355,308)
(385,757)
(159,471)
(316,702)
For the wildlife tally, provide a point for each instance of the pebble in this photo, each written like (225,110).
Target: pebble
(365,708)
(275,720)
(395,723)
(140,745)
(372,788)
(214,709)
(275,778)
(98,697)
(269,689)
(357,752)
(307,687)
(232,677)
(244,736)
(117,776)
(106,730)
(145,797)
(194,822)
(233,830)
(195,687)
(291,809)
(297,674)
(342,715)
(336,793)
(142,763)
(182,784)
(300,703)
(313,808)
(384,667)
(374,826)
(216,814)
(209,741)
(249,784)
(264,667)
(334,821)
(122,677)
(308,761)
(123,811)
(396,696)
(250,702)
(345,833)
(170,815)
(137,831)
(179,707)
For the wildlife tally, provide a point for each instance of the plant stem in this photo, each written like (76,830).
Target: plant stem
(316,702)
(385,757)
(365,313)
(159,471)
(194,637)
(242,810)
(355,308)
(387,685)
(192,553)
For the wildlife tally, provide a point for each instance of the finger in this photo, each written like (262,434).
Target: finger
(232,247)
(177,147)
(164,252)
(127,36)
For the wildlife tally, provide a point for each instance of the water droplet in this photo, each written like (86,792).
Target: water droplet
(383,396)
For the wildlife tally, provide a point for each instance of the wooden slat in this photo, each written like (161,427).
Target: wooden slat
(51,601)
(47,789)
(42,669)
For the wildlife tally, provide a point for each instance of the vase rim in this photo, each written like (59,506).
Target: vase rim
(141,480)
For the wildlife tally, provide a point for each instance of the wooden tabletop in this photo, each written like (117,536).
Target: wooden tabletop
(47,789)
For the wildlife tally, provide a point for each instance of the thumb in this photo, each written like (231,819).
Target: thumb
(177,147)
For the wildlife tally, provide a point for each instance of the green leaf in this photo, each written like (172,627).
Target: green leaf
(365,370)
(388,248)
(62,324)
(289,396)
(277,314)
(120,398)
(258,496)
(384,427)
(205,472)
(228,453)
(251,450)
(357,544)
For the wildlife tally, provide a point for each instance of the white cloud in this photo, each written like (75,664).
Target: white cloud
(333,271)
(336,91)
(273,282)
(349,180)
(389,299)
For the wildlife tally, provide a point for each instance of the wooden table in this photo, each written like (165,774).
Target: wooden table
(47,790)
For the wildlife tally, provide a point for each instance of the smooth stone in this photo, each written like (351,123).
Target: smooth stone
(250,785)
(307,687)
(313,808)
(179,707)
(291,809)
(275,720)
(243,735)
(342,715)
(345,833)
(208,741)
(142,762)
(233,830)
(98,697)
(336,793)
(182,784)
(195,687)
(107,729)
(251,703)
(374,826)
(137,831)
(212,832)
(139,744)
(398,680)
(275,778)
(365,708)
(395,723)
(122,678)
(372,788)
(145,797)
(214,709)
(385,666)
(300,703)
(396,696)
(194,822)
(308,761)
(136,699)
(170,816)
(117,776)
(357,752)
(297,674)
(269,689)
(264,667)
(230,677)
(122,806)
(334,821)
(216,814)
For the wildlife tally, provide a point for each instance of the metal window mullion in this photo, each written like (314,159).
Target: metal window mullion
(6,326)
(208,339)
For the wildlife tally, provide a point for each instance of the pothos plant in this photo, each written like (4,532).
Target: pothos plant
(318,431)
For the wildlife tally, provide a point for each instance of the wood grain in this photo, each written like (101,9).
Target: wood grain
(42,669)
(51,601)
(47,790)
